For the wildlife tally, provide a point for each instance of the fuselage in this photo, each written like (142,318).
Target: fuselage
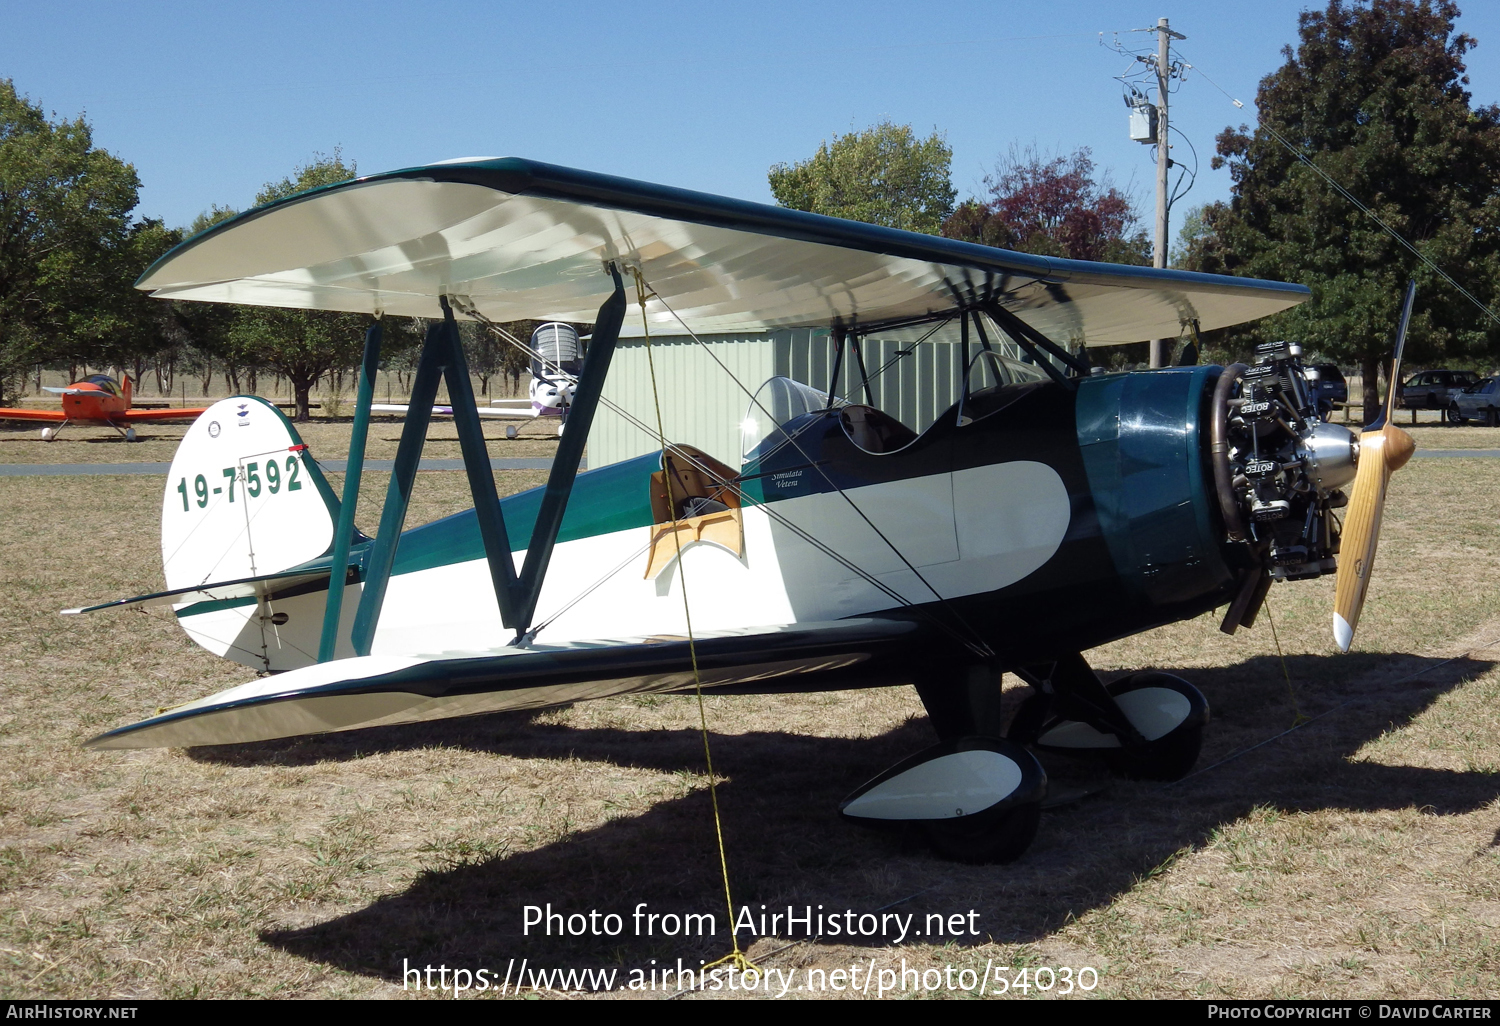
(1038,518)
(95,400)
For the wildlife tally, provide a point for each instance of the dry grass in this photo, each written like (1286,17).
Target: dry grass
(1356,856)
(1453,436)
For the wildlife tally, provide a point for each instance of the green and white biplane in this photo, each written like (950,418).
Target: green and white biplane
(1048,511)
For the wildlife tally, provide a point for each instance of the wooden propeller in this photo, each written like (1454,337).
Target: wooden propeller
(1383,449)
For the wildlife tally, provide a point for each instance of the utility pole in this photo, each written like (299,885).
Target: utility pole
(1161,348)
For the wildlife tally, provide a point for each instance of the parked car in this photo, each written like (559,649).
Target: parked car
(1328,389)
(1476,401)
(1435,389)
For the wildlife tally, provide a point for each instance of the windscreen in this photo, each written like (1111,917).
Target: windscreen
(777,402)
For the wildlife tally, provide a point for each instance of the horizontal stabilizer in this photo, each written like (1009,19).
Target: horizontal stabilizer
(382,690)
(268,585)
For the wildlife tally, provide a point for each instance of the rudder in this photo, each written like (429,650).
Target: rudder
(243,499)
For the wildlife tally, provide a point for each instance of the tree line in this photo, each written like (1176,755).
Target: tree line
(70,253)
(1370,107)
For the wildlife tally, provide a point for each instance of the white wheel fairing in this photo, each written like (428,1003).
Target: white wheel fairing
(1154,712)
(947,787)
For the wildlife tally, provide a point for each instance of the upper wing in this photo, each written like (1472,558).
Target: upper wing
(380,690)
(53,415)
(525,240)
(140,416)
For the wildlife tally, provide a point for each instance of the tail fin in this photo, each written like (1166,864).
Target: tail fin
(127,388)
(243,498)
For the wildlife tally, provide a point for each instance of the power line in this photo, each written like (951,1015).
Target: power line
(1294,151)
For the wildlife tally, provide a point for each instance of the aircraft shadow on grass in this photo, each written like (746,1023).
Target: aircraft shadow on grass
(787,845)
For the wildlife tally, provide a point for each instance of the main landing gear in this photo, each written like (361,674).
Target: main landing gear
(977,795)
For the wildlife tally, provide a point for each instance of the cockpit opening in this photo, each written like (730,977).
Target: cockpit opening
(874,431)
(693,500)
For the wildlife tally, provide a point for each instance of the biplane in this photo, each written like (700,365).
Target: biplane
(98,399)
(1050,510)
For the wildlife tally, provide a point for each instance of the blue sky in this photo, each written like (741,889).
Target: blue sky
(211,101)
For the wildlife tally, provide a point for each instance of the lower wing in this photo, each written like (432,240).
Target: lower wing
(383,690)
(55,416)
(146,416)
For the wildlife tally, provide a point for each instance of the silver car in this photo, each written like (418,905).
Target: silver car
(1479,400)
(1435,389)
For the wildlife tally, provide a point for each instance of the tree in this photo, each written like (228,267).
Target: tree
(883,175)
(1191,237)
(141,326)
(302,345)
(1374,95)
(1053,207)
(65,232)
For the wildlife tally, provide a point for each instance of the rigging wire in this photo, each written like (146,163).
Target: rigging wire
(736,956)
(903,353)
(978,645)
(739,491)
(1294,151)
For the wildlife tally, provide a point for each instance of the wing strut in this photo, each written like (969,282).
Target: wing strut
(344,535)
(1029,339)
(443,359)
(569,452)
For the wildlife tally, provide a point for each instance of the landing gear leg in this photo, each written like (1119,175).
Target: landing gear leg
(968,706)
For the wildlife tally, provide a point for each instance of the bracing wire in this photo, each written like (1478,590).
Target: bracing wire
(768,509)
(977,645)
(736,956)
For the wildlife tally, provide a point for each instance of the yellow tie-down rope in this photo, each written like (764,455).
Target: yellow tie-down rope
(736,957)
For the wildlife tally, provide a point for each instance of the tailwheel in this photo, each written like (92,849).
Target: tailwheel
(1170,715)
(978,799)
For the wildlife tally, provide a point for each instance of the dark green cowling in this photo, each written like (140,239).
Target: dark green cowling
(1144,441)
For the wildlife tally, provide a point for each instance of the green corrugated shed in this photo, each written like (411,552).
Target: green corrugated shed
(915,374)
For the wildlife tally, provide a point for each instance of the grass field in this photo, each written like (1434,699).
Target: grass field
(328,440)
(1356,856)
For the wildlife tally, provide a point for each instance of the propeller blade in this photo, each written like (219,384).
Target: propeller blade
(1383,449)
(1381,453)
(1394,391)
